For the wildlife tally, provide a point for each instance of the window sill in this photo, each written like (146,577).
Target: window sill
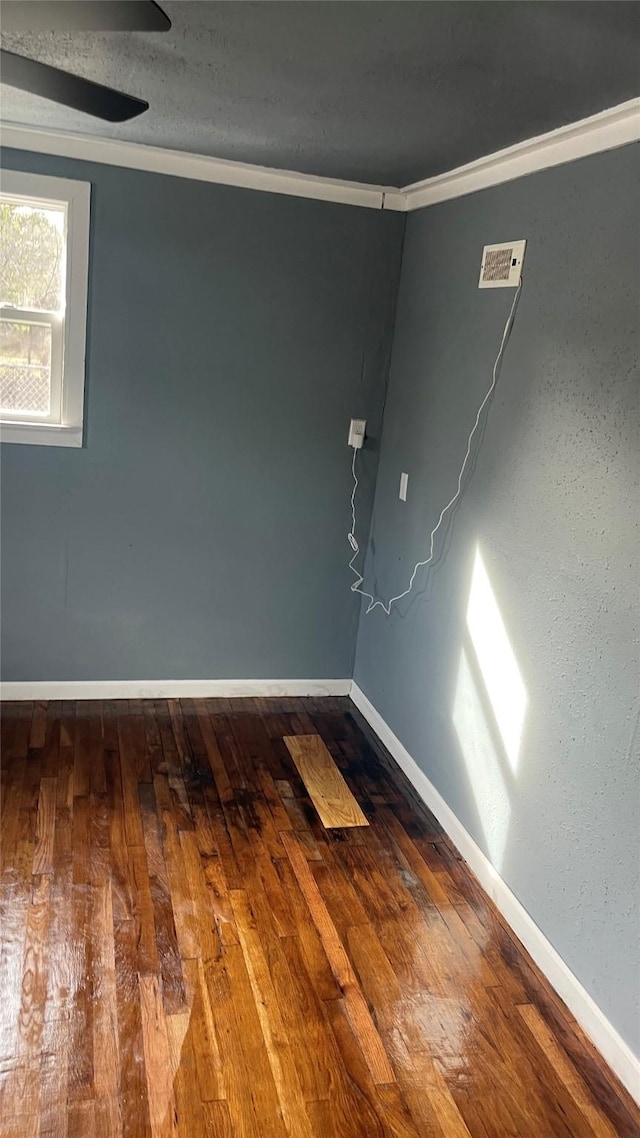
(40,434)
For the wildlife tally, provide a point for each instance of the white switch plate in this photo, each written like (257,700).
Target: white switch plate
(404,482)
(357,428)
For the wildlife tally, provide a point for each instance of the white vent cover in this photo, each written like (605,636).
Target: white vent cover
(502,265)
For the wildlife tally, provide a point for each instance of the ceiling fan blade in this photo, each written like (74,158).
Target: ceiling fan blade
(70,90)
(83,16)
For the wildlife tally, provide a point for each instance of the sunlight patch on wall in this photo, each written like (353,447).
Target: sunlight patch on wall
(481,761)
(497,661)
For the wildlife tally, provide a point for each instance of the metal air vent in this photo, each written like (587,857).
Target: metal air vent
(502,265)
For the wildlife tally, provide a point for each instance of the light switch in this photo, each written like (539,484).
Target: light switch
(404,482)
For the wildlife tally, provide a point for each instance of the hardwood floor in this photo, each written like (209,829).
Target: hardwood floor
(186,950)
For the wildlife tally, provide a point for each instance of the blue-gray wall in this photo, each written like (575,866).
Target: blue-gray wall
(200,532)
(553,506)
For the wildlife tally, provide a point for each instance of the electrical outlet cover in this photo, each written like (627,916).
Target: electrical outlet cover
(357,429)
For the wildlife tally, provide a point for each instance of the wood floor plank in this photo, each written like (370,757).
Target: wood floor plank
(359,1113)
(312,950)
(596,1121)
(119,854)
(15,900)
(219,1121)
(81,1120)
(236,1075)
(329,792)
(134,834)
(279,1050)
(206,1046)
(436,1111)
(106,1047)
(45,826)
(177,1029)
(34,974)
(364,1028)
(196,943)
(41,719)
(54,1079)
(157,1057)
(255,1099)
(133,1076)
(79,947)
(304,1017)
(430,1099)
(142,912)
(190,1116)
(207,933)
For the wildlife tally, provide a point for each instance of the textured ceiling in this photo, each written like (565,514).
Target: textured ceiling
(383,92)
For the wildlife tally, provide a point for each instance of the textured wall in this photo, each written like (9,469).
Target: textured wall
(553,507)
(200,532)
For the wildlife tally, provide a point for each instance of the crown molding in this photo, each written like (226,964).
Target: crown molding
(199,167)
(614,127)
(606,130)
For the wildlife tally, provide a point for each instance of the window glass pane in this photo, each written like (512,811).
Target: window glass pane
(31,255)
(25,367)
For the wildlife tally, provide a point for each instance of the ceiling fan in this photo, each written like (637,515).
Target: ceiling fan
(76,16)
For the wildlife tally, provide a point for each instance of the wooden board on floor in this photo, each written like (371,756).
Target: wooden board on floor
(327,789)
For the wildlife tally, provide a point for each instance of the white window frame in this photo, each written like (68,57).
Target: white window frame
(69,327)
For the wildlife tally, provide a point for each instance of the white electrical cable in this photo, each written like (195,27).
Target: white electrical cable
(351,537)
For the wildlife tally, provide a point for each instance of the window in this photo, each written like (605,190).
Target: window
(44,252)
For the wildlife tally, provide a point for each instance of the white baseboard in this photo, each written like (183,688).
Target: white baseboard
(168,689)
(610,1044)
